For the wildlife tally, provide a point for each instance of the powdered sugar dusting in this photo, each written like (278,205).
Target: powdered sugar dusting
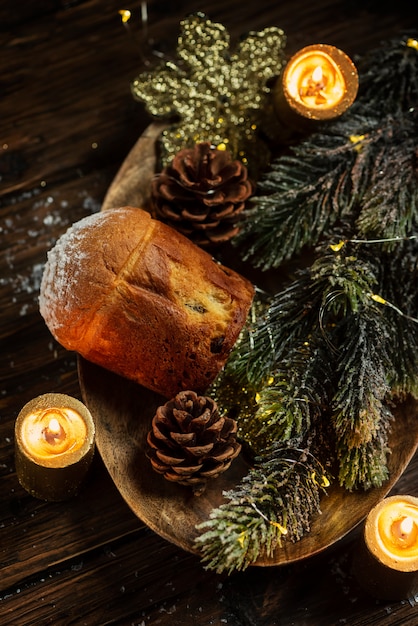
(72,283)
(64,267)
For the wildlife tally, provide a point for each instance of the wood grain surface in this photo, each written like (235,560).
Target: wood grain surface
(67,122)
(123,411)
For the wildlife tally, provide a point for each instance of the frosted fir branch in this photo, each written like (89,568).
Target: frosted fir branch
(288,320)
(365,466)
(389,75)
(353,184)
(278,225)
(296,394)
(389,207)
(359,406)
(361,168)
(304,195)
(274,502)
(398,282)
(310,306)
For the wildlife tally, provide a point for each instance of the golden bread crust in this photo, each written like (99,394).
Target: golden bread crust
(133,295)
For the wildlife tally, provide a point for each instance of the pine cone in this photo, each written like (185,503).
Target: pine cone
(190,442)
(202,194)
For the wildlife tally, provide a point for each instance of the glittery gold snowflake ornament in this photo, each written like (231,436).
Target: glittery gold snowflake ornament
(216,96)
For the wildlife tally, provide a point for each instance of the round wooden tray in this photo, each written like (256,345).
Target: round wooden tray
(123,410)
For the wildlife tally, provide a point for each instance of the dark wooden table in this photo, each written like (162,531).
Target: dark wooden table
(67,121)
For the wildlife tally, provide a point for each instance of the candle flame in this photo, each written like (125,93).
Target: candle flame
(54,426)
(317,74)
(406,526)
(54,433)
(404,532)
(314,86)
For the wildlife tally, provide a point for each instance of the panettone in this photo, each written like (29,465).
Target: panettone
(135,296)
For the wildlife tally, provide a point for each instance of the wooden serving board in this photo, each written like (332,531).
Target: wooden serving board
(123,410)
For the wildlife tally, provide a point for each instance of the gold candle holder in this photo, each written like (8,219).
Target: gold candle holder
(386,565)
(319,82)
(54,446)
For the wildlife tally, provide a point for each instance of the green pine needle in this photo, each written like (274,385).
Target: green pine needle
(307,197)
(334,348)
(273,503)
(294,399)
(336,283)
(389,75)
(398,285)
(365,466)
(363,371)
(389,207)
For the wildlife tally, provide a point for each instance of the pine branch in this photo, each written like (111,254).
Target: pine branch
(335,283)
(362,370)
(389,75)
(360,413)
(288,320)
(305,201)
(337,344)
(366,465)
(303,195)
(276,500)
(378,359)
(339,354)
(398,286)
(389,208)
(294,400)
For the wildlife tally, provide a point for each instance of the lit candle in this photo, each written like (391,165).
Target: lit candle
(387,564)
(54,446)
(319,82)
